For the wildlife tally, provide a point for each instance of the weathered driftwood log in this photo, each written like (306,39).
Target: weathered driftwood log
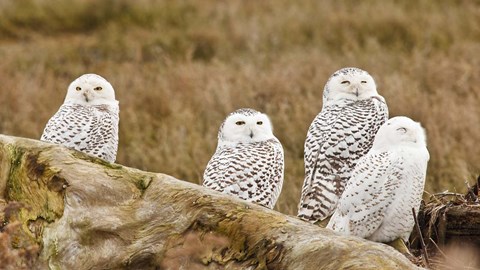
(89,214)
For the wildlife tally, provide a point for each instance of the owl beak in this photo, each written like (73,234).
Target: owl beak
(87,96)
(251,134)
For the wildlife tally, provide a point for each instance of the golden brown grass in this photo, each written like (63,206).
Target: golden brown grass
(179,67)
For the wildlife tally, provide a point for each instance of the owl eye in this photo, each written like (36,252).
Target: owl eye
(98,88)
(363,81)
(78,88)
(403,130)
(259,123)
(239,123)
(345,82)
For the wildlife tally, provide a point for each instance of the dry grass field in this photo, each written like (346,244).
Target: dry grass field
(179,67)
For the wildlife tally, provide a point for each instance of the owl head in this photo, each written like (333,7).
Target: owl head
(400,130)
(349,83)
(245,125)
(90,89)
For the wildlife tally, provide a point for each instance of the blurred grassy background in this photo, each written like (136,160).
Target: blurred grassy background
(179,67)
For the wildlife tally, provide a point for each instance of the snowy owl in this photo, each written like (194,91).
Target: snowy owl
(248,161)
(340,134)
(88,118)
(385,185)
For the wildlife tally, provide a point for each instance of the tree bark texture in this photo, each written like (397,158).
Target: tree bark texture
(449,223)
(86,213)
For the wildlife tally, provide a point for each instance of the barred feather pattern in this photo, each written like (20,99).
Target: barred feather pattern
(339,135)
(89,129)
(249,171)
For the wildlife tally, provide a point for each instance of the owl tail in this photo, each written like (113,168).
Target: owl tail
(339,223)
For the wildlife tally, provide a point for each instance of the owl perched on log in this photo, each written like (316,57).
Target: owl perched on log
(339,135)
(88,119)
(385,185)
(248,161)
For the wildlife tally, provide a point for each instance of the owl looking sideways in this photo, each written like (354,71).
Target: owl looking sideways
(340,134)
(248,162)
(88,119)
(385,185)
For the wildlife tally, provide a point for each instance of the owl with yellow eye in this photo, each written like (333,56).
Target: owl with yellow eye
(248,162)
(87,121)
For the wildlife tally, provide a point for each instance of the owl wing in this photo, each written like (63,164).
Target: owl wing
(69,127)
(317,136)
(105,144)
(337,138)
(214,176)
(367,196)
(275,163)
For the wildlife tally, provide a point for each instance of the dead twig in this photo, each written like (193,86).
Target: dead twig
(438,248)
(422,243)
(444,194)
